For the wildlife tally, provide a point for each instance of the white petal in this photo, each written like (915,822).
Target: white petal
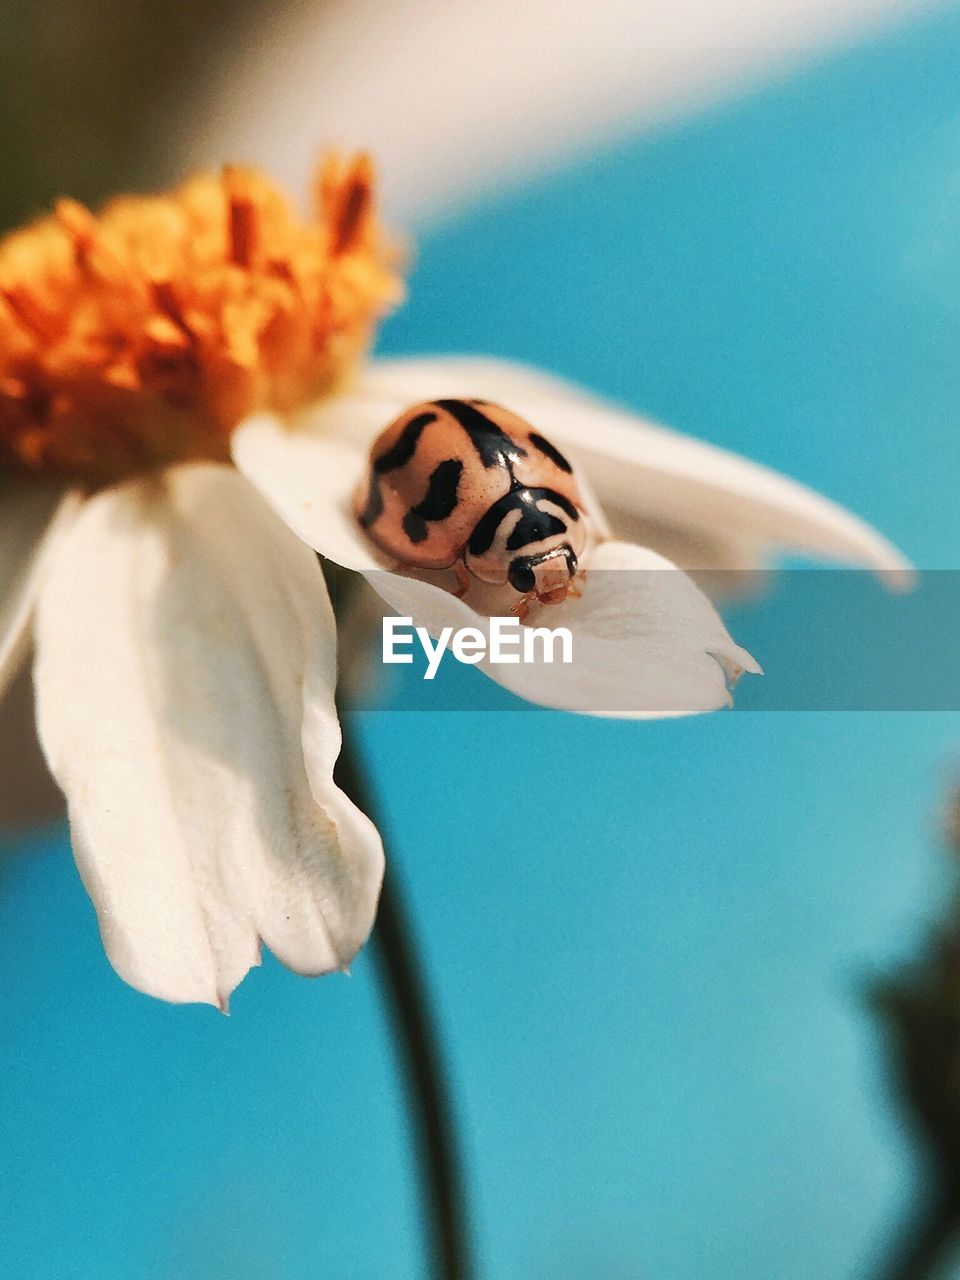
(458,99)
(308,477)
(185,676)
(31,519)
(636,467)
(727,568)
(646,641)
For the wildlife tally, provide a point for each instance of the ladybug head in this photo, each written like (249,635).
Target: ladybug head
(547,575)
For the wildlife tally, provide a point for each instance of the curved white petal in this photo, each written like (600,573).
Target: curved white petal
(185,677)
(646,641)
(456,99)
(308,477)
(31,519)
(736,509)
(726,567)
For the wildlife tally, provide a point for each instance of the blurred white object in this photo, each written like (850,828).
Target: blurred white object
(455,98)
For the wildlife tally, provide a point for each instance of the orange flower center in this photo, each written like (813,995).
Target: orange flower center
(143,335)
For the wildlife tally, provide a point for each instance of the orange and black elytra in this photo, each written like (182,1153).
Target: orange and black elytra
(470,485)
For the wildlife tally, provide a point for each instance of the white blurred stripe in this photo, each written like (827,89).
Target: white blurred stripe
(455,96)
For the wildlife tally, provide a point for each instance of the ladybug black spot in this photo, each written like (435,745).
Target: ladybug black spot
(440,500)
(550,451)
(391,460)
(406,446)
(533,524)
(494,447)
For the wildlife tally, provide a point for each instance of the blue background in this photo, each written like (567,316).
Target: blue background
(647,943)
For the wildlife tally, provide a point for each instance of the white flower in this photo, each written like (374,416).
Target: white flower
(185,660)
(185,645)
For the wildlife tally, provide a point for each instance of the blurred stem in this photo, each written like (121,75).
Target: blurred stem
(926,1242)
(406,995)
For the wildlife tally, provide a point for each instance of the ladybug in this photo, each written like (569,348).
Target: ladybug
(469,485)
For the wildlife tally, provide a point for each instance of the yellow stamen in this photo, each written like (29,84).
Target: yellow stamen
(143,335)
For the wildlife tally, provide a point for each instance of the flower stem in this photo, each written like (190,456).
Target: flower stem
(926,1243)
(408,1004)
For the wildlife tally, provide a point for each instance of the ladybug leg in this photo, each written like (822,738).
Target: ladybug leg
(522,607)
(463,579)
